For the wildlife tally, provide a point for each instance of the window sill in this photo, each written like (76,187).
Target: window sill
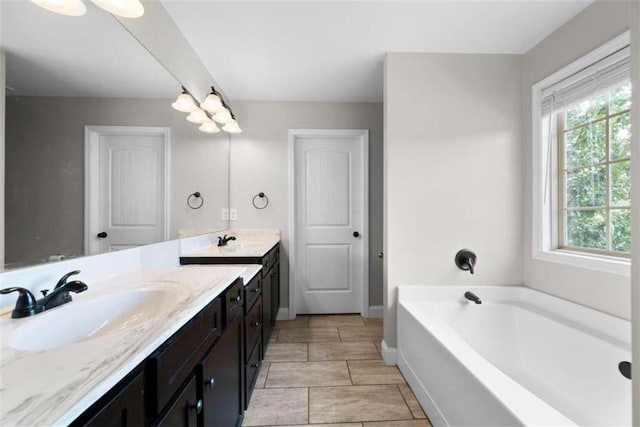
(602,263)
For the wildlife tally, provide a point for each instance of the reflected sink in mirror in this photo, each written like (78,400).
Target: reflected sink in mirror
(96,317)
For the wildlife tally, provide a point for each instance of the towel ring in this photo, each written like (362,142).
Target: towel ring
(193,198)
(260,196)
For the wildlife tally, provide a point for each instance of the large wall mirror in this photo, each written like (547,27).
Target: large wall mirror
(93,147)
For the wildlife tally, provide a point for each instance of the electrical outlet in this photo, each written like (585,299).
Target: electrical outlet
(233,214)
(225,214)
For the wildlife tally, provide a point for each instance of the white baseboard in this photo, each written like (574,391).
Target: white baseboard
(283,314)
(389,354)
(375,311)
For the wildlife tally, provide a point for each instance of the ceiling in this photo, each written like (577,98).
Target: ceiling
(88,56)
(334,51)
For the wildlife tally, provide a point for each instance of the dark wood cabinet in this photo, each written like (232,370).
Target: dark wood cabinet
(185,409)
(220,374)
(123,406)
(195,378)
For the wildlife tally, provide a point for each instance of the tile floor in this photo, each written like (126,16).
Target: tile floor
(326,370)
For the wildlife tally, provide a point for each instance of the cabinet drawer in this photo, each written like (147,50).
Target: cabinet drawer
(168,366)
(185,408)
(232,301)
(252,368)
(252,328)
(251,293)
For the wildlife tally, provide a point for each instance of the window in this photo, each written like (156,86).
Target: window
(581,162)
(594,173)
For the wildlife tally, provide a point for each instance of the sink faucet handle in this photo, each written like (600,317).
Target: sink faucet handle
(64,278)
(26,305)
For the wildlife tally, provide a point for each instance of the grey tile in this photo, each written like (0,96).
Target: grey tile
(286,352)
(307,374)
(357,403)
(277,407)
(357,350)
(309,335)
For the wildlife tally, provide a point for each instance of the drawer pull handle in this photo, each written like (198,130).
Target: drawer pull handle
(211,383)
(256,324)
(197,406)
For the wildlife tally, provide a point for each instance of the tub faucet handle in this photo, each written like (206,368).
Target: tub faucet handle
(466,260)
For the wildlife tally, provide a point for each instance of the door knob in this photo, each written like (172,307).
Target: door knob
(102,234)
(356,234)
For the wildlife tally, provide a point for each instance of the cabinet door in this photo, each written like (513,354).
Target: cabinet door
(221,376)
(121,407)
(185,409)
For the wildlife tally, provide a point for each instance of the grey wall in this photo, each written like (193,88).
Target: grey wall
(45,169)
(596,25)
(259,162)
(453,171)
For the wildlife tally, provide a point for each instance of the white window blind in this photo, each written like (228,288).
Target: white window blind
(609,71)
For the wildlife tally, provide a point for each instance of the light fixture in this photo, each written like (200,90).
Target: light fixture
(213,102)
(184,102)
(198,116)
(231,126)
(63,7)
(222,116)
(122,8)
(209,127)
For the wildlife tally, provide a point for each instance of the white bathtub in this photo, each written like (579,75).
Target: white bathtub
(521,357)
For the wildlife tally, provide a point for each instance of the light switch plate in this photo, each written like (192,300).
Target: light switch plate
(233,214)
(225,214)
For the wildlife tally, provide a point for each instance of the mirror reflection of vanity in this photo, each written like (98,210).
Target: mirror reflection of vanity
(73,82)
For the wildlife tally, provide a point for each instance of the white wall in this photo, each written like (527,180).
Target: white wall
(453,171)
(259,162)
(593,27)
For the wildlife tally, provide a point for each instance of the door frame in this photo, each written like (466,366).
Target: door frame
(297,134)
(91,175)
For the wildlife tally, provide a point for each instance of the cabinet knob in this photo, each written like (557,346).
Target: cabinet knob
(256,324)
(238,298)
(197,406)
(211,383)
(256,290)
(256,365)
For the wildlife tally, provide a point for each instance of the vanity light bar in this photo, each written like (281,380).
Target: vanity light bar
(122,8)
(212,110)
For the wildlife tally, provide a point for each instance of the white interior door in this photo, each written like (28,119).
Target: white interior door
(127,182)
(330,236)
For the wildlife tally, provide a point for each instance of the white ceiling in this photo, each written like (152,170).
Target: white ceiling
(87,56)
(334,51)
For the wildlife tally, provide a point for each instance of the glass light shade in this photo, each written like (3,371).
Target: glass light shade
(212,103)
(222,116)
(231,127)
(63,7)
(184,103)
(123,8)
(209,127)
(197,116)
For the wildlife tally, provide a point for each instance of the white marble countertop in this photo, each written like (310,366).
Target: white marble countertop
(254,244)
(54,386)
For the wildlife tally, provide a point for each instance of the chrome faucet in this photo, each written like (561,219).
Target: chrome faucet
(26,305)
(222,241)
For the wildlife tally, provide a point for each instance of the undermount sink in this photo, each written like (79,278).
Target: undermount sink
(232,246)
(97,317)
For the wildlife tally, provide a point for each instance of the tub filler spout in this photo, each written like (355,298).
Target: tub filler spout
(472,297)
